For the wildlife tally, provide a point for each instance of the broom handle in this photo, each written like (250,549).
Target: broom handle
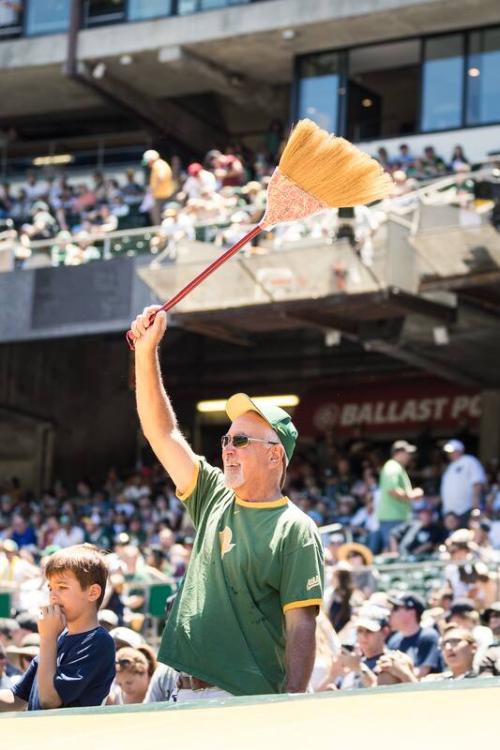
(201,277)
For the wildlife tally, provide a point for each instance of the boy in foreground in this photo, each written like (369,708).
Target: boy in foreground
(76,664)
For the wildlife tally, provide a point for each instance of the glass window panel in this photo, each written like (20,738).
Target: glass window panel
(483,77)
(101,11)
(442,83)
(318,90)
(185,7)
(47,16)
(193,6)
(141,9)
(10,17)
(383,86)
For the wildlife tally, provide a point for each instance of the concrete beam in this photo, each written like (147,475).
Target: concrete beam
(240,89)
(165,117)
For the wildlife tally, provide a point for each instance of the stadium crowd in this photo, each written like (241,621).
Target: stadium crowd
(217,200)
(372,630)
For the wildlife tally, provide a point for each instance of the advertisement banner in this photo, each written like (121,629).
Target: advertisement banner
(389,408)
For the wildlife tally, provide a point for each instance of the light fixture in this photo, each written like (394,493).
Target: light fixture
(287,400)
(367,102)
(474,72)
(126,60)
(288,34)
(99,70)
(440,335)
(332,337)
(48,161)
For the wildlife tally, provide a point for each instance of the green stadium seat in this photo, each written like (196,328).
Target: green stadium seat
(5,604)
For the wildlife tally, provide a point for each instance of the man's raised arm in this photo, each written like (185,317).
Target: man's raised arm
(156,414)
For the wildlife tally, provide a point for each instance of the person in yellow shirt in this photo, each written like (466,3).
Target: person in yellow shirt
(161,183)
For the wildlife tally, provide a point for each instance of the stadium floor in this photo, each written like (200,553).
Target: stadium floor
(415,717)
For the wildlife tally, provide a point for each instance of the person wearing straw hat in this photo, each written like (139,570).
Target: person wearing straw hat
(244,619)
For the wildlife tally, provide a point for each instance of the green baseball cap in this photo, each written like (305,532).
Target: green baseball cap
(279,420)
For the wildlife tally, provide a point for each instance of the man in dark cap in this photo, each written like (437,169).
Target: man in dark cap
(422,644)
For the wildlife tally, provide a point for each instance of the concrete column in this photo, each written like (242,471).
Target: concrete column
(489,431)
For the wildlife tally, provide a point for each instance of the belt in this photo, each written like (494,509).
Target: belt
(188,682)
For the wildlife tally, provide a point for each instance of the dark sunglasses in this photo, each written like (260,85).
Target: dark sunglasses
(3,657)
(241,441)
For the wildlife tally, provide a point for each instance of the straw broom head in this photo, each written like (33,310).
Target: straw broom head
(318,171)
(332,169)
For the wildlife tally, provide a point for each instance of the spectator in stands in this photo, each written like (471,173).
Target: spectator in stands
(405,156)
(341,596)
(69,533)
(490,663)
(462,482)
(383,158)
(394,668)
(433,164)
(458,158)
(422,644)
(357,666)
(161,184)
(463,614)
(22,533)
(132,676)
(132,191)
(459,648)
(200,181)
(422,535)
(396,492)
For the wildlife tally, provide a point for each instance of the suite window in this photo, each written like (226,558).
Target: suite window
(382,92)
(140,10)
(442,82)
(318,89)
(47,16)
(103,11)
(193,6)
(10,18)
(483,77)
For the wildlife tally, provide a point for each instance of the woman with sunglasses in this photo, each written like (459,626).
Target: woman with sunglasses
(244,620)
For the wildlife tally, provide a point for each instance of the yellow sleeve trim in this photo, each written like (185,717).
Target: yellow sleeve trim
(191,487)
(303,603)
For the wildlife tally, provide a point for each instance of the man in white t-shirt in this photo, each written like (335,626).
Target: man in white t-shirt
(462,482)
(199,181)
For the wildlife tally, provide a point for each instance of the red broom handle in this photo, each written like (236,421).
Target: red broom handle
(201,277)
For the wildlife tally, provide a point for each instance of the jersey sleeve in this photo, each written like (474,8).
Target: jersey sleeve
(302,577)
(206,487)
(22,689)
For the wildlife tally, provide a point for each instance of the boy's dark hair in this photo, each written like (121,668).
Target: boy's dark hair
(86,563)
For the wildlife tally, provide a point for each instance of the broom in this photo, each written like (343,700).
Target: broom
(316,171)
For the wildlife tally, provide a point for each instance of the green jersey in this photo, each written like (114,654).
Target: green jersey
(392,477)
(251,562)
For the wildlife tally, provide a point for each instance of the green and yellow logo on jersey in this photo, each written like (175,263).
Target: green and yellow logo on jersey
(225,541)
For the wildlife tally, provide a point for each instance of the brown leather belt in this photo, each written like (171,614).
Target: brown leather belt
(188,682)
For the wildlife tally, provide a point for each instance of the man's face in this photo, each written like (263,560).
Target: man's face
(453,456)
(458,652)
(370,643)
(133,684)
(401,617)
(65,591)
(242,466)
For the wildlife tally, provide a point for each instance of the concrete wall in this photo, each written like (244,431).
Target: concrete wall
(81,386)
(99,297)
